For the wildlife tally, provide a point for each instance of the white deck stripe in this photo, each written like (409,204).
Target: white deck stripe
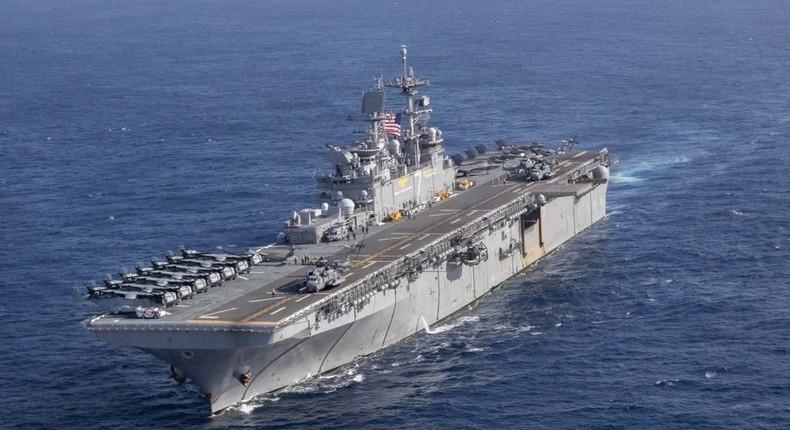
(264,300)
(404,190)
(213,315)
(278,310)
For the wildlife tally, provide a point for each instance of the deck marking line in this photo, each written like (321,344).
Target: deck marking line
(579,154)
(213,315)
(434,226)
(263,300)
(278,310)
(410,187)
(260,312)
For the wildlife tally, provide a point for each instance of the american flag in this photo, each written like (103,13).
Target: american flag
(391,124)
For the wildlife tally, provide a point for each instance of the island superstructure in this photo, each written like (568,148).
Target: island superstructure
(403,237)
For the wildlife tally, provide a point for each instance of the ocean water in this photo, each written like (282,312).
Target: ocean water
(130,128)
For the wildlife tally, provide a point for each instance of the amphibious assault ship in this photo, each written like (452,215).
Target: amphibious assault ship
(403,236)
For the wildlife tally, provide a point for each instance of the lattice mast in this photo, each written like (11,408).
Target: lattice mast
(408,84)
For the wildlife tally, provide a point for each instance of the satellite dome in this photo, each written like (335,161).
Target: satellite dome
(346,207)
(394,147)
(601,172)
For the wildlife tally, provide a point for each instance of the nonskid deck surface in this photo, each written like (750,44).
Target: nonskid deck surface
(270,293)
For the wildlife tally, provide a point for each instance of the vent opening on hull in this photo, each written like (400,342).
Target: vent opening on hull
(244,375)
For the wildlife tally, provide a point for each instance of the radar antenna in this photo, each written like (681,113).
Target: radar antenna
(408,84)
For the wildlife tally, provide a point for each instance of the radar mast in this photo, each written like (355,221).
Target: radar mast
(408,84)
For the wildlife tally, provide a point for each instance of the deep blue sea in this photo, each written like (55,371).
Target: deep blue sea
(130,128)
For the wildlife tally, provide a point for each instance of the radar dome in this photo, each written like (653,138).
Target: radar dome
(346,207)
(394,147)
(601,172)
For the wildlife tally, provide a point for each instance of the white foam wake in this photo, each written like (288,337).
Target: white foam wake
(447,327)
(636,172)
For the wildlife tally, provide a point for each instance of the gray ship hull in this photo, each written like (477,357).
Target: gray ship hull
(314,343)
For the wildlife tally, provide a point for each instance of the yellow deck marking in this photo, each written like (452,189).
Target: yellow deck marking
(579,154)
(262,311)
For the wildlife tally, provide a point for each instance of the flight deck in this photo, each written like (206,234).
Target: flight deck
(272,292)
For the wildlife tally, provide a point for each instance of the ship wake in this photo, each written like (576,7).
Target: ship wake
(447,327)
(312,385)
(637,172)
